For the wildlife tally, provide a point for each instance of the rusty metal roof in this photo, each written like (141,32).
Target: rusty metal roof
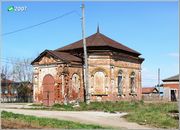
(66,57)
(95,41)
(98,40)
(147,90)
(6,81)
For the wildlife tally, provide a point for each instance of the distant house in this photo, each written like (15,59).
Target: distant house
(16,91)
(171,87)
(8,90)
(150,93)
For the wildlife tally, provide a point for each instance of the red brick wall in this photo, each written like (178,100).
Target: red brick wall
(110,68)
(172,85)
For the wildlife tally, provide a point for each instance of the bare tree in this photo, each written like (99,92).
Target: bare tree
(22,70)
(5,72)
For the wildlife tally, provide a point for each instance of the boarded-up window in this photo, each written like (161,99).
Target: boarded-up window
(75,82)
(120,80)
(132,82)
(99,82)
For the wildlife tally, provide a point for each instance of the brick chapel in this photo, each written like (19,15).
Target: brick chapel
(114,72)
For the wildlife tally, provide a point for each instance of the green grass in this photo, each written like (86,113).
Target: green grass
(36,104)
(153,114)
(48,122)
(68,107)
(122,106)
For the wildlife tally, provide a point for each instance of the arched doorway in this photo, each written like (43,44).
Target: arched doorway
(48,90)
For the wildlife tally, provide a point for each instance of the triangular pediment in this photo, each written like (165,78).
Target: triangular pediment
(46,57)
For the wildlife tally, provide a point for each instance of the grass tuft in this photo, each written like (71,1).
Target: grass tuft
(67,107)
(47,122)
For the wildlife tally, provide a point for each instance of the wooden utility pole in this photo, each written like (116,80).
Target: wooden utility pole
(86,78)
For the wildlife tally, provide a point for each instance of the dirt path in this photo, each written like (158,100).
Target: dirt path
(88,117)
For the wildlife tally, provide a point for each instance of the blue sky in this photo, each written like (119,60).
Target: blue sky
(148,27)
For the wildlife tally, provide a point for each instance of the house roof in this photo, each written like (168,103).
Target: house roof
(66,57)
(6,81)
(147,90)
(98,40)
(171,79)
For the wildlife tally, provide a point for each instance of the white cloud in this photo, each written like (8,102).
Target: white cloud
(174,54)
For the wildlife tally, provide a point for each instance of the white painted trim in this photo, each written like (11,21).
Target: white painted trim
(171,83)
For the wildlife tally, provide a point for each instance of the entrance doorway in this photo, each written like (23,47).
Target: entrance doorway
(48,90)
(173,95)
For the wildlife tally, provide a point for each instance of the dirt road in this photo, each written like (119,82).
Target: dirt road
(88,117)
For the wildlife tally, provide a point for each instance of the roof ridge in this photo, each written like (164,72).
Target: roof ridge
(104,39)
(67,53)
(65,57)
(96,36)
(76,42)
(57,55)
(119,43)
(46,51)
(93,38)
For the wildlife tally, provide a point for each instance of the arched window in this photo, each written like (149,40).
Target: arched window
(99,82)
(76,82)
(120,80)
(132,83)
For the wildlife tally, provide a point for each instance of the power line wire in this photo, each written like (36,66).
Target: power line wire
(16,59)
(15,62)
(35,25)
